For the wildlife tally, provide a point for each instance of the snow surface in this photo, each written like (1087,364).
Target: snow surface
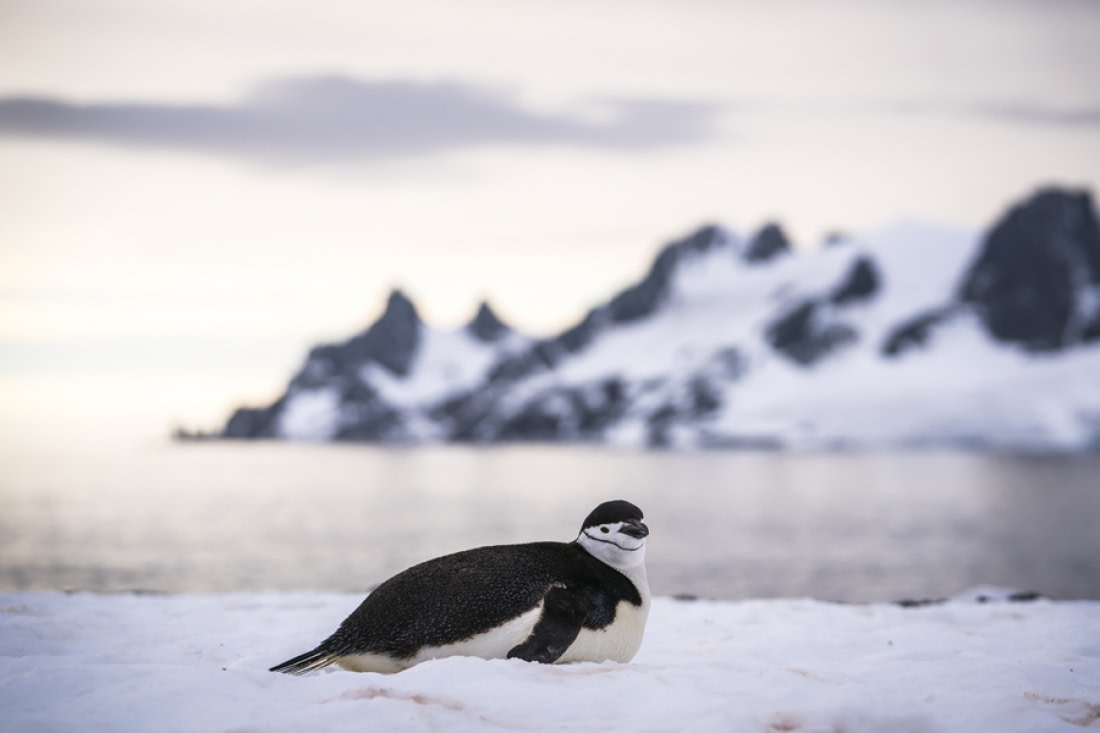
(190,663)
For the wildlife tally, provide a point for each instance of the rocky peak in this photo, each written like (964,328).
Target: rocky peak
(393,338)
(768,243)
(1035,279)
(486,326)
(390,341)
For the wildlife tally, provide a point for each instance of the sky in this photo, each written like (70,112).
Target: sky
(193,193)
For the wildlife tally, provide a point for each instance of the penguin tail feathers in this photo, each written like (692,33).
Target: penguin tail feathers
(316,659)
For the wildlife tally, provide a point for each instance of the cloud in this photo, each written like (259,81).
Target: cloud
(334,118)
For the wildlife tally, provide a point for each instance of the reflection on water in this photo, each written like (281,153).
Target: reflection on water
(222,517)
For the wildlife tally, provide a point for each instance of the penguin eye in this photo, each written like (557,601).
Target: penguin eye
(605,530)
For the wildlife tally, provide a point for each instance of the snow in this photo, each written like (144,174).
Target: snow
(310,414)
(920,265)
(128,662)
(446,363)
(970,391)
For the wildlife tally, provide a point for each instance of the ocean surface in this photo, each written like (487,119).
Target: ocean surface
(218,517)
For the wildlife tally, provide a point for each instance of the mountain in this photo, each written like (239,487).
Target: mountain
(377,385)
(911,336)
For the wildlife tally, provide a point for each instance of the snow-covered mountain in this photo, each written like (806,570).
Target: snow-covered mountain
(380,384)
(915,335)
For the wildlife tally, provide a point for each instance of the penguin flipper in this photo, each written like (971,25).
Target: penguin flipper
(557,627)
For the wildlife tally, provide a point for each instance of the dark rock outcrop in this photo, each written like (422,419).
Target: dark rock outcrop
(558,413)
(814,328)
(916,332)
(486,326)
(642,299)
(804,335)
(566,413)
(390,342)
(701,399)
(254,422)
(768,243)
(861,283)
(1030,284)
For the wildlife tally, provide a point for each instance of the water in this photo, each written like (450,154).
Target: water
(854,527)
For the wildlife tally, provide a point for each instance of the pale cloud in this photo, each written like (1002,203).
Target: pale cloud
(333,118)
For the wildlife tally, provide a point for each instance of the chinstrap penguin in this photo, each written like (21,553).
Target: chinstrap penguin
(585,600)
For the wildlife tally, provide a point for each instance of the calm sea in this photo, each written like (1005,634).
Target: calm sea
(219,517)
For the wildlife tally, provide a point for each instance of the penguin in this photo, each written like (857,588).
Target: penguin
(550,602)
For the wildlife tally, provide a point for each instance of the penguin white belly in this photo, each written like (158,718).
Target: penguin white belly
(617,642)
(492,644)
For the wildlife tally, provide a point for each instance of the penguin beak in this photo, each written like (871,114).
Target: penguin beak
(634,528)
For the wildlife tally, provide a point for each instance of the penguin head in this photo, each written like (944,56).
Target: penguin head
(615,534)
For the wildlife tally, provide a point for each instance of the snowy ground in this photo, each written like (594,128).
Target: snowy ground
(120,663)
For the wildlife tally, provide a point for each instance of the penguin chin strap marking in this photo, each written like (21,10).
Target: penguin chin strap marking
(609,542)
